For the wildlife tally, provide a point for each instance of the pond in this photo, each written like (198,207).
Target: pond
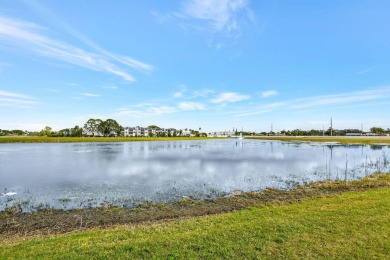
(80,175)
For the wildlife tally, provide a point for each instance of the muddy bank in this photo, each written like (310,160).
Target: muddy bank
(49,221)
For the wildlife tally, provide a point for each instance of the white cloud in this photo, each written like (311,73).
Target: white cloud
(181,92)
(333,101)
(11,99)
(178,94)
(89,95)
(221,14)
(202,93)
(341,99)
(191,106)
(366,70)
(29,36)
(262,109)
(269,93)
(110,87)
(229,97)
(149,110)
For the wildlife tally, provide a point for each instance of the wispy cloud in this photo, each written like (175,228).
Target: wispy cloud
(181,92)
(32,37)
(110,87)
(178,94)
(318,102)
(269,93)
(229,97)
(89,95)
(221,15)
(11,99)
(54,90)
(4,65)
(145,110)
(202,93)
(191,106)
(261,109)
(366,70)
(340,99)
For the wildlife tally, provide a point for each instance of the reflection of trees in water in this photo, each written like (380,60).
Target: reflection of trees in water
(376,147)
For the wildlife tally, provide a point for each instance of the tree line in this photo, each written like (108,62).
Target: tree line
(110,127)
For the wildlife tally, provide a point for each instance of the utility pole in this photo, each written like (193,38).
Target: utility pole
(331,127)
(272,128)
(362,129)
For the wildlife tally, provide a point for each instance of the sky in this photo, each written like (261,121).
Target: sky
(209,64)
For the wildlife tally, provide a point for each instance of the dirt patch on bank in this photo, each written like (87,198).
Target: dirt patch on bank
(46,222)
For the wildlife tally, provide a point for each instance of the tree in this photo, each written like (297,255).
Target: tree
(92,126)
(110,127)
(154,127)
(377,130)
(63,132)
(77,131)
(46,131)
(17,132)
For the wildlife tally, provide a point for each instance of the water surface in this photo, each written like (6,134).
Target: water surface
(77,175)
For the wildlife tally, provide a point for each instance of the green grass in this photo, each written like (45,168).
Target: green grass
(45,139)
(352,225)
(339,139)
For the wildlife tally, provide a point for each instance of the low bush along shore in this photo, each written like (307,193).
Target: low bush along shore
(318,220)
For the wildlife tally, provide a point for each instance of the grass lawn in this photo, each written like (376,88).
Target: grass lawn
(353,225)
(45,139)
(338,139)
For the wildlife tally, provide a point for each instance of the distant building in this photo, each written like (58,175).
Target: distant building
(135,131)
(153,132)
(221,134)
(91,133)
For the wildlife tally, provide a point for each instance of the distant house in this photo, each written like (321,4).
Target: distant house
(153,132)
(91,133)
(136,131)
(222,134)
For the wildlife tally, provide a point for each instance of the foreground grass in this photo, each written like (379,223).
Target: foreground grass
(349,225)
(338,139)
(45,139)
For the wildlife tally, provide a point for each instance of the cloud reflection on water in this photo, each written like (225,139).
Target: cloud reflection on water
(164,170)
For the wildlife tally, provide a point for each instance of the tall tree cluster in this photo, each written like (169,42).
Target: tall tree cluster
(105,128)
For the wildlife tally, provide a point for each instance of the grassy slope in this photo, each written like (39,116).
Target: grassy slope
(44,139)
(350,225)
(339,139)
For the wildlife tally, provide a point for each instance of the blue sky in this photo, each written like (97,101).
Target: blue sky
(215,64)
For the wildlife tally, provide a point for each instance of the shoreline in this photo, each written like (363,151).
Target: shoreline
(364,140)
(42,139)
(50,221)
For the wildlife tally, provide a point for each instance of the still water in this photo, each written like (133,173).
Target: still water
(78,175)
